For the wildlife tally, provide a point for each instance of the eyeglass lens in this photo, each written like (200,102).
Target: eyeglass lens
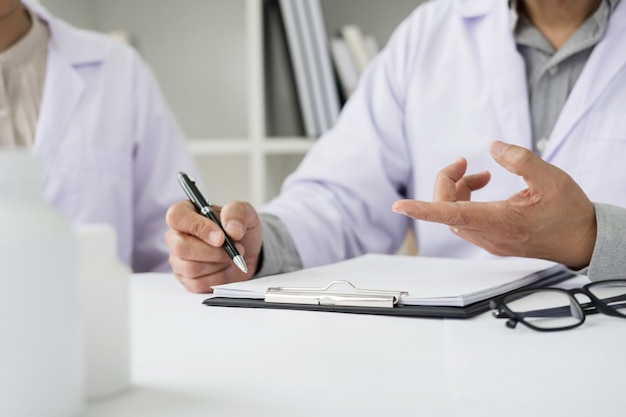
(555,309)
(546,309)
(613,293)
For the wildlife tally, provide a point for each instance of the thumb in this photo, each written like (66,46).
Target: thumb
(519,161)
(237,217)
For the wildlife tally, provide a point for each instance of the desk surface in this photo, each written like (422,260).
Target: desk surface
(190,360)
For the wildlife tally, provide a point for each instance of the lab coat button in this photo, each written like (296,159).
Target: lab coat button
(541,144)
(553,69)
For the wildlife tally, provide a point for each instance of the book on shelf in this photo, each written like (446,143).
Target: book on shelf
(309,55)
(353,36)
(346,69)
(329,102)
(282,112)
(352,51)
(372,46)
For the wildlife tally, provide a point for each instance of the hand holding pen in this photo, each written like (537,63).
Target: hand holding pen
(203,207)
(200,255)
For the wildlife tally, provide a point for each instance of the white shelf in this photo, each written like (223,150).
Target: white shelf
(287,146)
(215,147)
(218,94)
(243,146)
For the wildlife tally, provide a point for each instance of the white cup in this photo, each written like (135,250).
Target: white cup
(103,304)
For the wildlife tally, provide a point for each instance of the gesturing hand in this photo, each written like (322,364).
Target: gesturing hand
(552,219)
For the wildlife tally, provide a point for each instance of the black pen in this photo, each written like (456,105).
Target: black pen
(204,207)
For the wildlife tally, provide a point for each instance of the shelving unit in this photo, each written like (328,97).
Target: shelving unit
(218,93)
(284,153)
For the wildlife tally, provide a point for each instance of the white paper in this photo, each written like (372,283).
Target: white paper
(428,281)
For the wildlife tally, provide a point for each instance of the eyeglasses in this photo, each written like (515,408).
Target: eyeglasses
(551,309)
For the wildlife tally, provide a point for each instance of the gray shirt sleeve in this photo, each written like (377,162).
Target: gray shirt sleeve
(609,255)
(279,251)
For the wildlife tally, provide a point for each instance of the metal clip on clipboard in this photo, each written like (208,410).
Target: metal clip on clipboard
(328,296)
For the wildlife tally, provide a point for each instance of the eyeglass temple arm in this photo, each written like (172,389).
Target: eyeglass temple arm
(565,311)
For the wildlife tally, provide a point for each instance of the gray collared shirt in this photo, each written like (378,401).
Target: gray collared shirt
(551,75)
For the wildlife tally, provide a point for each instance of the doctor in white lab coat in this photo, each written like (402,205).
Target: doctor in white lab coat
(449,83)
(110,146)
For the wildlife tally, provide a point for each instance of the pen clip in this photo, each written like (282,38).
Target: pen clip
(193,193)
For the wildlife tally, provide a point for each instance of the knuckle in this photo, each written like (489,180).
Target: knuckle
(175,213)
(201,227)
(441,175)
(171,216)
(168,236)
(522,158)
(196,286)
(457,218)
(235,210)
(194,278)
(178,246)
(190,269)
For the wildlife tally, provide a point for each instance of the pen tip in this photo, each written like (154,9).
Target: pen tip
(241,264)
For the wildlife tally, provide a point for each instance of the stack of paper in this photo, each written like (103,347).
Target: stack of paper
(424,281)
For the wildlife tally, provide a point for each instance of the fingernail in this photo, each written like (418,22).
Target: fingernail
(235,228)
(497,147)
(214,238)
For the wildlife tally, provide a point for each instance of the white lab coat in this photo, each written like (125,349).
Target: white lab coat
(449,82)
(110,146)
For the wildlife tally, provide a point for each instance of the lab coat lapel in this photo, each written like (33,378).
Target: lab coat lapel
(68,50)
(62,91)
(489,23)
(606,60)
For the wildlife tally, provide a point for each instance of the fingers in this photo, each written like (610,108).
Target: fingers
(452,188)
(460,214)
(470,183)
(520,161)
(452,185)
(200,277)
(445,184)
(182,217)
(190,248)
(236,218)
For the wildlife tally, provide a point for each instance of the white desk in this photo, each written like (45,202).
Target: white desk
(190,360)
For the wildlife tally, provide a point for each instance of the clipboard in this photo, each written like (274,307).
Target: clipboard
(343,296)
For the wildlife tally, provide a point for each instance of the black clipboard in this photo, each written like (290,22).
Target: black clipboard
(395,309)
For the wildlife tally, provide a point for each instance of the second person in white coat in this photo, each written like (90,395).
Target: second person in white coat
(91,109)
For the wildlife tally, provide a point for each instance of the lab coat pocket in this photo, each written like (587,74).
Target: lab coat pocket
(608,126)
(90,183)
(603,158)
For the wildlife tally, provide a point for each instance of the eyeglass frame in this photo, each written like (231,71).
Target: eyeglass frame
(499,308)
